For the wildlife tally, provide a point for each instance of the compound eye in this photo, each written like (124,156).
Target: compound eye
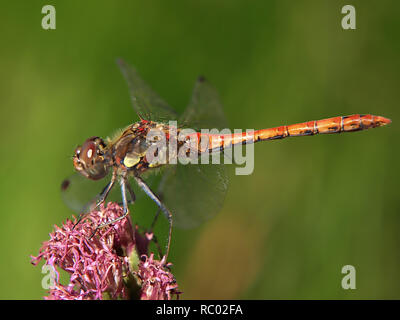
(88,151)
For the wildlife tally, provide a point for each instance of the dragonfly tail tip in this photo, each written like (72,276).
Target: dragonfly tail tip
(383,121)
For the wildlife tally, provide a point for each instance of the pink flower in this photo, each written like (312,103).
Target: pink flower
(157,282)
(107,264)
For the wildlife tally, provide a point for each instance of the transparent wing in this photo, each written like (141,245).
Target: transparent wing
(194,193)
(204,110)
(80,193)
(147,104)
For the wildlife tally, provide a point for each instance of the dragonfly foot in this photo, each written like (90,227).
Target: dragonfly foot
(93,233)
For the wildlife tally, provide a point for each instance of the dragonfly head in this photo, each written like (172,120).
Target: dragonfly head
(89,159)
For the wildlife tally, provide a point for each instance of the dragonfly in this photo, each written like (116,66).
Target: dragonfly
(187,194)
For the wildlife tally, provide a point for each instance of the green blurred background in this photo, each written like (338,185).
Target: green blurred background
(311,206)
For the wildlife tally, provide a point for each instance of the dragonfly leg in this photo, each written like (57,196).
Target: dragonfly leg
(125,204)
(157,244)
(152,228)
(160,196)
(100,199)
(142,184)
(155,219)
(105,192)
(153,238)
(131,193)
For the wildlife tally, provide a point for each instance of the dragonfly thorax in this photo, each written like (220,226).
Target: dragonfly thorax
(132,148)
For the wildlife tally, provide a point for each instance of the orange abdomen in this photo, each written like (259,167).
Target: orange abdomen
(331,125)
